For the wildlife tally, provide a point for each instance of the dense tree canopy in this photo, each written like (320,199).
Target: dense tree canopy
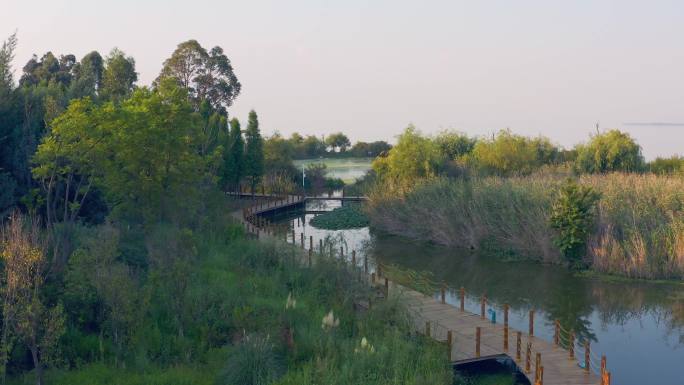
(208,75)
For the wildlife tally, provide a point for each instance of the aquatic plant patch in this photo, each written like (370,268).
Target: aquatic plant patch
(345,217)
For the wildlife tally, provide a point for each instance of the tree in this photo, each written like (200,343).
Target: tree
(119,76)
(88,74)
(254,152)
(338,140)
(142,154)
(608,152)
(414,157)
(35,323)
(455,144)
(233,157)
(67,160)
(510,154)
(313,147)
(9,120)
(206,75)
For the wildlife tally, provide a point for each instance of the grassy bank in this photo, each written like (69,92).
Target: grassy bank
(240,312)
(638,229)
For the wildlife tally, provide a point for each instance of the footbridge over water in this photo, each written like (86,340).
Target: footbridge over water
(467,336)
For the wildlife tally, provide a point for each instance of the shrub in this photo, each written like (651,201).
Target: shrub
(253,362)
(572,215)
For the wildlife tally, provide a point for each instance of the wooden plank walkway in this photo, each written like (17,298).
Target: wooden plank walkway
(558,367)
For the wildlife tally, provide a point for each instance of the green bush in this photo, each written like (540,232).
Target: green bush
(572,215)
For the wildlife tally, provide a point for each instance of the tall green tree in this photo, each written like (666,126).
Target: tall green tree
(207,75)
(9,120)
(254,152)
(233,157)
(119,76)
(88,74)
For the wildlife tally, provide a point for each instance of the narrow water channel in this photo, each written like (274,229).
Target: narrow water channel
(639,326)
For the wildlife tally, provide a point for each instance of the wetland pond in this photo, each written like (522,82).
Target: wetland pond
(637,325)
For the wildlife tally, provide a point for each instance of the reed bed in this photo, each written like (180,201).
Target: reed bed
(638,230)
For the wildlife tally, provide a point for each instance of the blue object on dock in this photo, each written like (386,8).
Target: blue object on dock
(492,315)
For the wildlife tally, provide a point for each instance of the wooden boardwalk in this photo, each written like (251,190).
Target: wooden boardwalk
(432,316)
(469,337)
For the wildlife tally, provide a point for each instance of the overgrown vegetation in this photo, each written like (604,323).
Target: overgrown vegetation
(507,194)
(238,312)
(350,216)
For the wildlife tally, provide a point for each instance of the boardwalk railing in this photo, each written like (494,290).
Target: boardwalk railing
(467,336)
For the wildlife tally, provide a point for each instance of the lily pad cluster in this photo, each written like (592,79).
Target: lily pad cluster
(345,217)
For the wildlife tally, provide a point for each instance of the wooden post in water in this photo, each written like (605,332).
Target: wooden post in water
(341,252)
(556,333)
(531,322)
(528,357)
(462,295)
(320,246)
(310,251)
(450,343)
(310,242)
(386,288)
(506,307)
(571,347)
(301,236)
(365,264)
(427,328)
(443,293)
(505,342)
(518,343)
(478,332)
(294,237)
(537,367)
(587,355)
(603,370)
(483,305)
(354,258)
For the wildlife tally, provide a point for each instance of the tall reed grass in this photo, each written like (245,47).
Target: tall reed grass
(638,232)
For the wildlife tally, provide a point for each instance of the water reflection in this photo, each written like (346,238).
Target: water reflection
(639,326)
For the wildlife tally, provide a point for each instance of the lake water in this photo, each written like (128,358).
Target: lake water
(639,326)
(347,169)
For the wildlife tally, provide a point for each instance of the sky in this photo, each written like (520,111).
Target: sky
(370,68)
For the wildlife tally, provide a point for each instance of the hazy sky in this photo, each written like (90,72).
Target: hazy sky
(369,68)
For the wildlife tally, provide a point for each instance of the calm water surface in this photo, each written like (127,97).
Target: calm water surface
(639,326)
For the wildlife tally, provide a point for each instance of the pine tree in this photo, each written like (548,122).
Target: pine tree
(233,157)
(254,157)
